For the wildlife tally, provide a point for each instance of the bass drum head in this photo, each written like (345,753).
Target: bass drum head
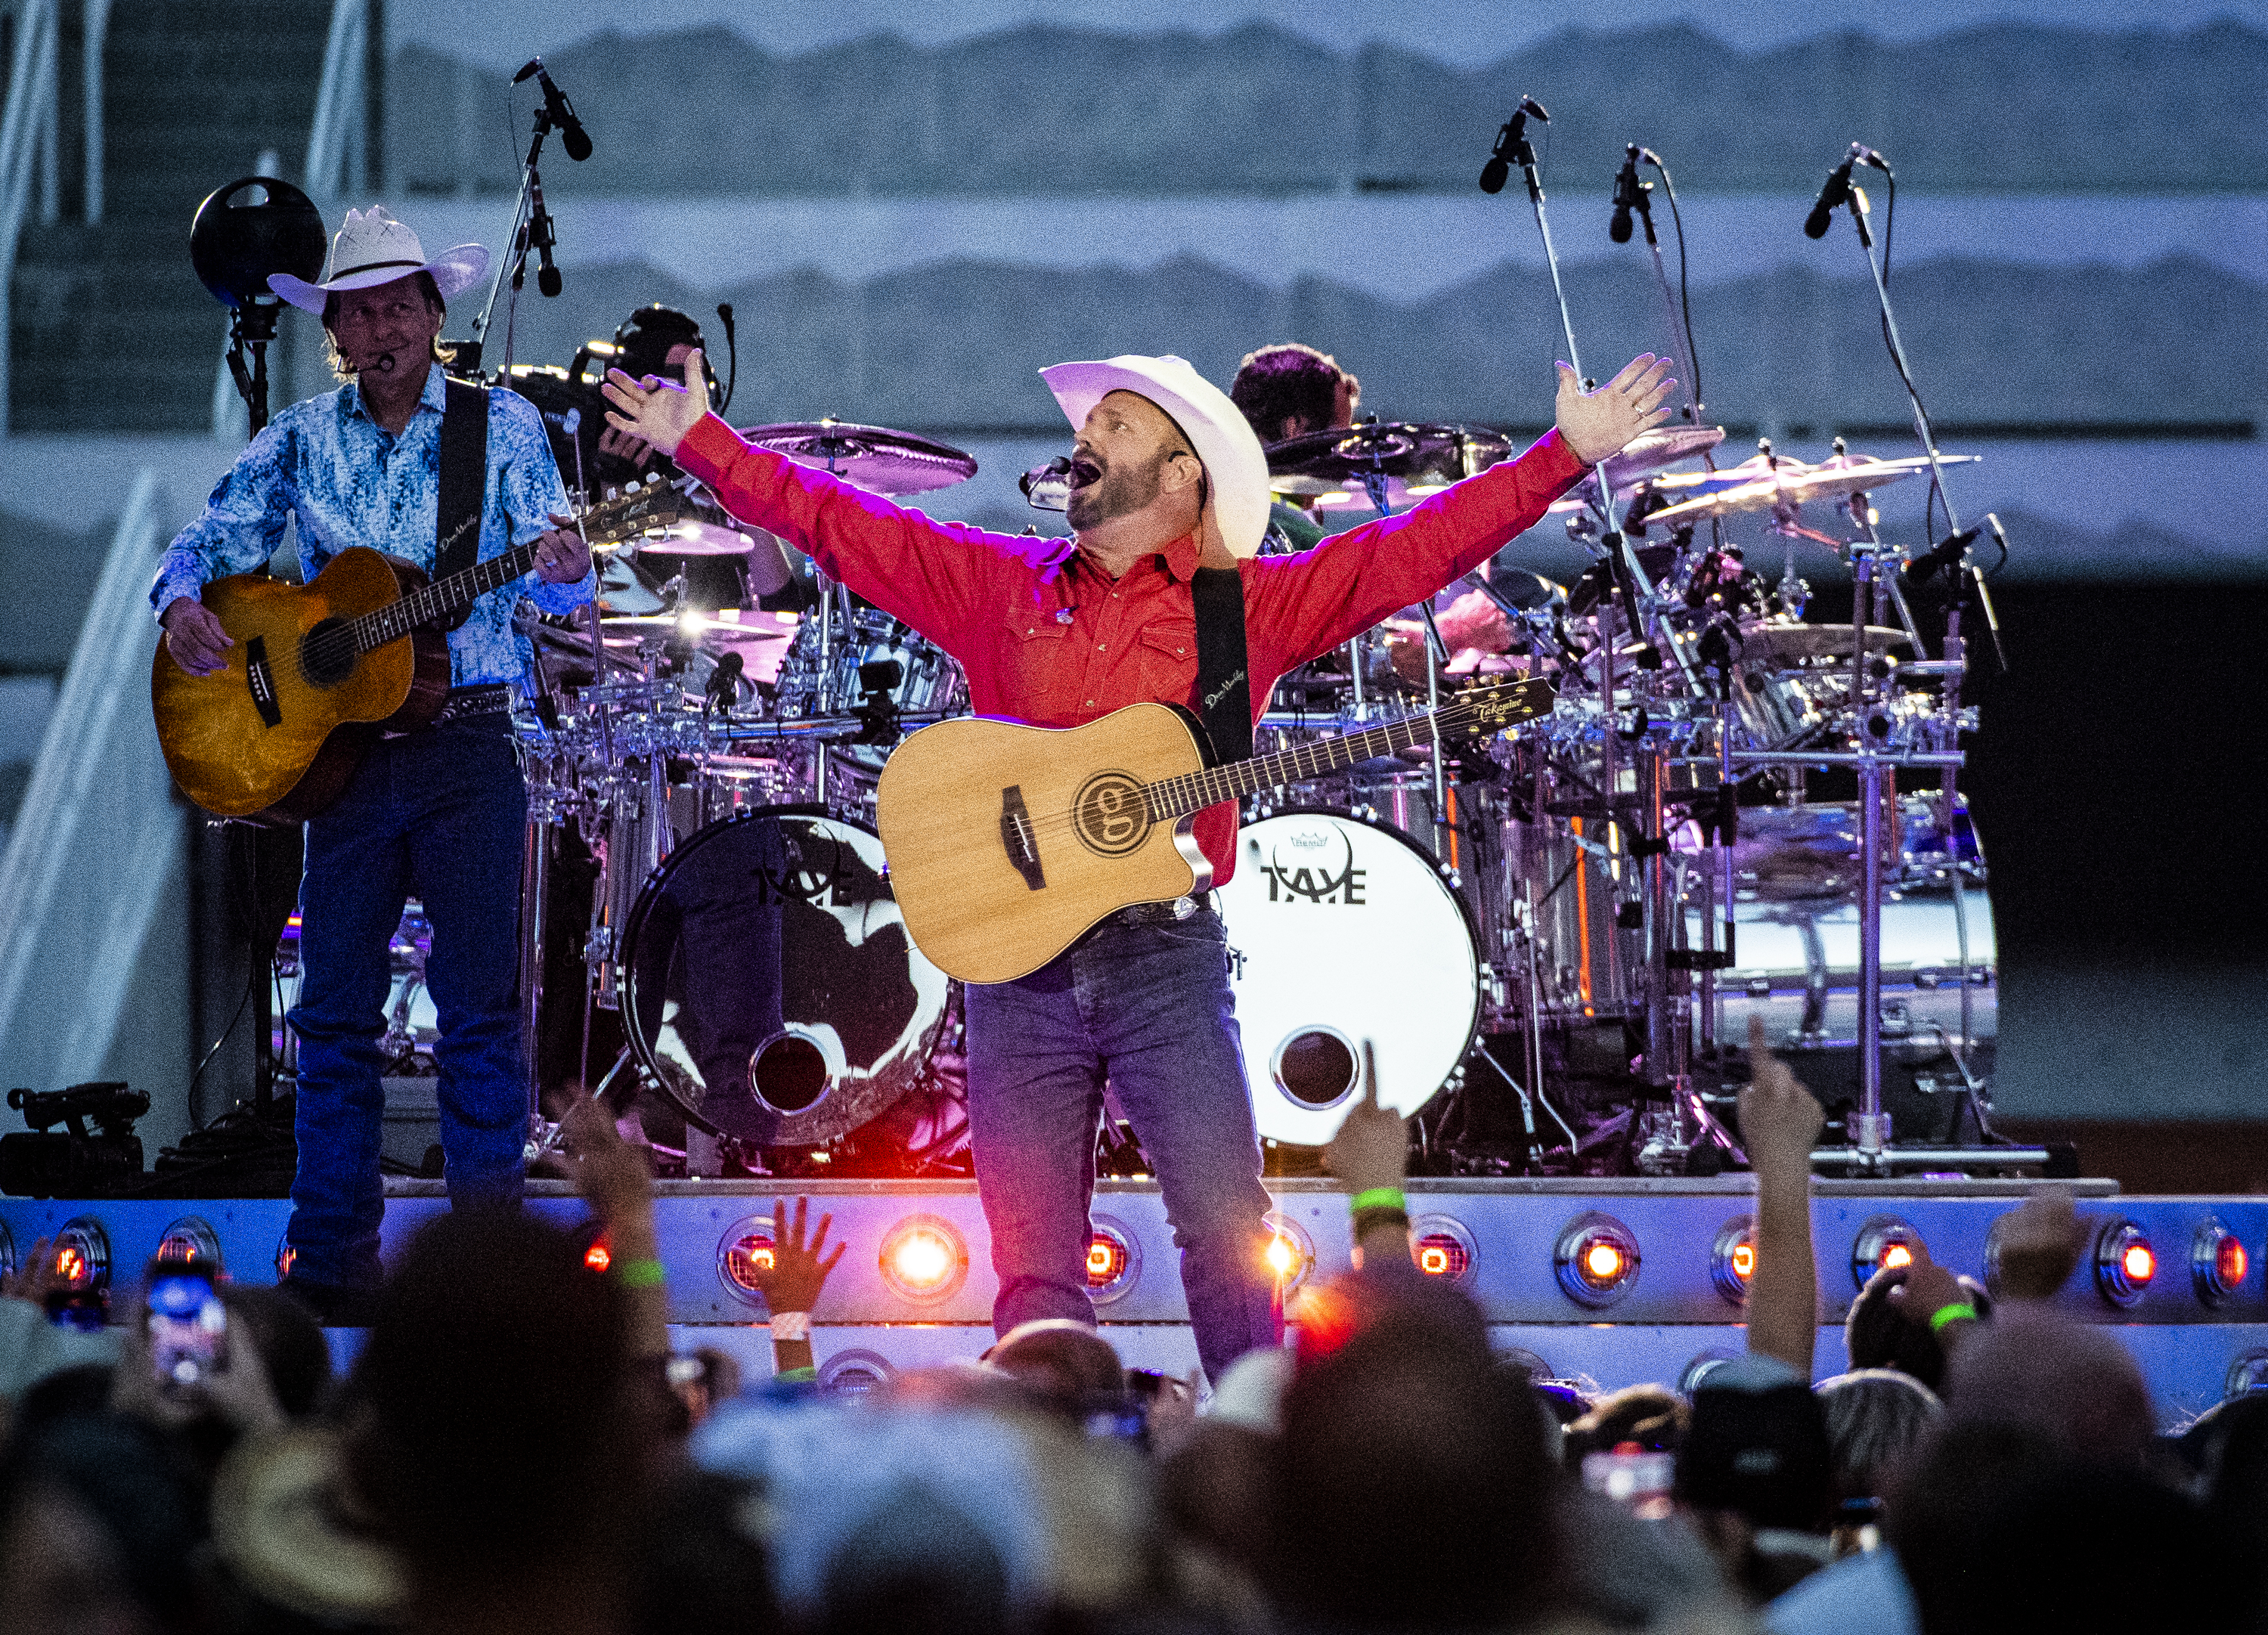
(1342,932)
(769,983)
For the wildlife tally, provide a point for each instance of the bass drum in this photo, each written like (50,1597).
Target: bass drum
(769,983)
(1343,933)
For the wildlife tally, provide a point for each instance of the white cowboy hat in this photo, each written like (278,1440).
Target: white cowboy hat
(373,248)
(1216,428)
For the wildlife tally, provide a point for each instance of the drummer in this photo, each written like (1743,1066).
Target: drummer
(657,340)
(1289,390)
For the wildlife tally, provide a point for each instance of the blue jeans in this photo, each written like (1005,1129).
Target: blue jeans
(1146,1006)
(438,814)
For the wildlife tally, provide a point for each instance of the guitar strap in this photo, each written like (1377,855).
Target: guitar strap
(1224,685)
(464,481)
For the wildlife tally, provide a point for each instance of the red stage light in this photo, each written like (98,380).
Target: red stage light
(1885,1243)
(1744,1262)
(598,1257)
(747,1256)
(1114,1260)
(2123,1262)
(1733,1259)
(1290,1255)
(1441,1255)
(1597,1259)
(1896,1254)
(2217,1263)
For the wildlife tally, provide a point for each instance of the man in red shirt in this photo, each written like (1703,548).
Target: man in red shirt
(1166,477)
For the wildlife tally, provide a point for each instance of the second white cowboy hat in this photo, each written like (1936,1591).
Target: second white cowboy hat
(373,248)
(1216,428)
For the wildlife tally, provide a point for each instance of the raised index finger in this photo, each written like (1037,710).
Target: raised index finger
(1369,1074)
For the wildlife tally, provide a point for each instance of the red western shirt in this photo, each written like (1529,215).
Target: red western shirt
(1047,638)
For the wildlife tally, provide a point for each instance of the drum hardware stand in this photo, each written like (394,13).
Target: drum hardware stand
(1437,654)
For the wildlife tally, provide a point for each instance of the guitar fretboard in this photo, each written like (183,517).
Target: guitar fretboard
(439,599)
(1177,797)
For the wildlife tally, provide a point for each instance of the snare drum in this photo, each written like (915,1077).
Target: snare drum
(1344,933)
(769,983)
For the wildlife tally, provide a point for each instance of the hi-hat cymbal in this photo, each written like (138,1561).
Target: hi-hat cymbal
(873,458)
(1776,646)
(688,537)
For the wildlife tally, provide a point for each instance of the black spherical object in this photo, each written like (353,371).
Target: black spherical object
(235,244)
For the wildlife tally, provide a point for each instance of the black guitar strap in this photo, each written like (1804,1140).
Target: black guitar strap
(464,480)
(1224,685)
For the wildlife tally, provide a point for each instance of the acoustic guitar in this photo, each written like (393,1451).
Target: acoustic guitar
(319,670)
(1007,842)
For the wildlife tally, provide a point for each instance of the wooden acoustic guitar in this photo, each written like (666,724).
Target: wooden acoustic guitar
(319,670)
(1007,842)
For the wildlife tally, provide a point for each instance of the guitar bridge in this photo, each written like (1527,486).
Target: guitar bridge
(1021,840)
(261,679)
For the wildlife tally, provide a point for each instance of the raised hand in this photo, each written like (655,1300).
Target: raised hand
(660,412)
(2040,1245)
(32,1280)
(1779,1118)
(1596,424)
(1372,1147)
(796,1272)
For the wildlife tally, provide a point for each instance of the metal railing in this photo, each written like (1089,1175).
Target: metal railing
(93,859)
(338,147)
(28,150)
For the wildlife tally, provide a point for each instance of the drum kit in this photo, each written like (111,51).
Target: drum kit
(1548,943)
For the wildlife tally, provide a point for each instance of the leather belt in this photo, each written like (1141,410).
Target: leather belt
(467,703)
(1163,913)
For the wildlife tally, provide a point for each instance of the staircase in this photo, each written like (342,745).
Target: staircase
(109,328)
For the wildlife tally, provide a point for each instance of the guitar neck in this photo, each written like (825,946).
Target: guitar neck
(1178,797)
(441,598)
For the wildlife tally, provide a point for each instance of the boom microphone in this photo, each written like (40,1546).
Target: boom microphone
(573,137)
(1833,195)
(1627,196)
(1512,146)
(1944,554)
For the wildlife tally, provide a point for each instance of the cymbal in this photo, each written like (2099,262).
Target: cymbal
(873,458)
(1648,453)
(690,537)
(1331,458)
(1782,492)
(1780,645)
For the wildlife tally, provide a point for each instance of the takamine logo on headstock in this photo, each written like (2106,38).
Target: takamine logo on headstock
(611,521)
(1491,706)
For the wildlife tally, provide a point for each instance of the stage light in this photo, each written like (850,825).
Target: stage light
(2249,1373)
(1443,1248)
(82,1255)
(1597,1260)
(2217,1263)
(598,1257)
(2123,1262)
(1732,1260)
(744,1250)
(923,1258)
(1114,1260)
(853,1374)
(1884,1243)
(1289,1252)
(189,1238)
(285,1255)
(1697,1370)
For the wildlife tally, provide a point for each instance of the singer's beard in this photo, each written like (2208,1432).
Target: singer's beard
(1116,493)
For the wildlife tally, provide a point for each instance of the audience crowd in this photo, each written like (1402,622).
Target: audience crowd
(515,1451)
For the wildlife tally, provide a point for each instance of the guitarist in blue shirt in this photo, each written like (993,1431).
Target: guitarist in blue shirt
(438,813)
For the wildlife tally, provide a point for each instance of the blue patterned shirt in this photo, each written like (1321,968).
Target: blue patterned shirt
(347,481)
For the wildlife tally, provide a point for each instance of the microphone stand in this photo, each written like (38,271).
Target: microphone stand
(1665,1050)
(521,240)
(1868,1131)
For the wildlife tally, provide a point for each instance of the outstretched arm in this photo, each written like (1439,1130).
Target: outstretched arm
(1779,1121)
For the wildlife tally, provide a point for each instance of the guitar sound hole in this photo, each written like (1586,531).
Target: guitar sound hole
(1110,814)
(327,654)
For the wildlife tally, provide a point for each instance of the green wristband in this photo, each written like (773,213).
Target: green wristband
(1960,1312)
(640,1274)
(1378,1197)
